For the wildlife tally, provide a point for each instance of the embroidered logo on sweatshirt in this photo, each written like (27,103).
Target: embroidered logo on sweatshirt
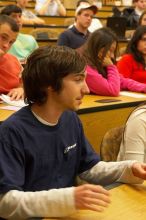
(67,149)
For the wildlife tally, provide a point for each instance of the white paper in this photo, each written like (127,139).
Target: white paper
(134,95)
(10,107)
(6,99)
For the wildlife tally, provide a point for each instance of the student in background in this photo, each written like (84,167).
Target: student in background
(139,7)
(103,77)
(142,19)
(25,44)
(50,7)
(10,68)
(95,23)
(77,35)
(43,147)
(28,17)
(133,144)
(133,63)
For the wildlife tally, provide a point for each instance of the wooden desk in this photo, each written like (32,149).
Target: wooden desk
(97,118)
(128,202)
(101,12)
(60,20)
(9,2)
(123,43)
(42,42)
(27,29)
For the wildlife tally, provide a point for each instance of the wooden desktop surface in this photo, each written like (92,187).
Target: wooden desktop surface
(127,202)
(97,118)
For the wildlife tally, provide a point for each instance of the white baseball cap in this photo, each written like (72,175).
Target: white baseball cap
(86,6)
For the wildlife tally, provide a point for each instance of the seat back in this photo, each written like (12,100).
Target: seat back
(69,21)
(110,144)
(45,33)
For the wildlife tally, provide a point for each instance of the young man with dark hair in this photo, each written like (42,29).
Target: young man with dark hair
(95,23)
(77,35)
(25,43)
(43,147)
(10,68)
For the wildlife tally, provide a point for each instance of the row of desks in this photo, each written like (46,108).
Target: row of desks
(71,12)
(55,30)
(97,118)
(42,42)
(61,20)
(31,4)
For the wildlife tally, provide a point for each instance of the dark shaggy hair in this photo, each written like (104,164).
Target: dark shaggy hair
(9,9)
(47,66)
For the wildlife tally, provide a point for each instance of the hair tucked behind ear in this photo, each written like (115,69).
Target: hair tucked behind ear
(47,66)
(99,39)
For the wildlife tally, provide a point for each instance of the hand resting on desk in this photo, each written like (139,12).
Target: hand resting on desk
(92,197)
(95,197)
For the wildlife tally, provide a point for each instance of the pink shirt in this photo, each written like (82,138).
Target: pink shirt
(111,85)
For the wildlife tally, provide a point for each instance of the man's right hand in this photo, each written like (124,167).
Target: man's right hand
(92,197)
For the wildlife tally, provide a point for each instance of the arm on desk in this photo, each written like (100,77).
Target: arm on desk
(53,203)
(105,173)
(99,85)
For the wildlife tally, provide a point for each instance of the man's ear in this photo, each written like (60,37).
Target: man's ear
(50,89)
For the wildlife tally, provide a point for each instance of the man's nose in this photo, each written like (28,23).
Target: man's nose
(6,45)
(85,88)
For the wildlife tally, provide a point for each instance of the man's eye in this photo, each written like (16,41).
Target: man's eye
(3,38)
(78,79)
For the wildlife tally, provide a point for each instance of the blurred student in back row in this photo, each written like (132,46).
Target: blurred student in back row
(28,17)
(50,8)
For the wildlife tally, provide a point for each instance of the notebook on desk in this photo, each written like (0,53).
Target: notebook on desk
(118,25)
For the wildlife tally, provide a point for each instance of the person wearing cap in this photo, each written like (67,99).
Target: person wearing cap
(77,35)
(95,24)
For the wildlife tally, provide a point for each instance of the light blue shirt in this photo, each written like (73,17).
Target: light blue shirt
(24,45)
